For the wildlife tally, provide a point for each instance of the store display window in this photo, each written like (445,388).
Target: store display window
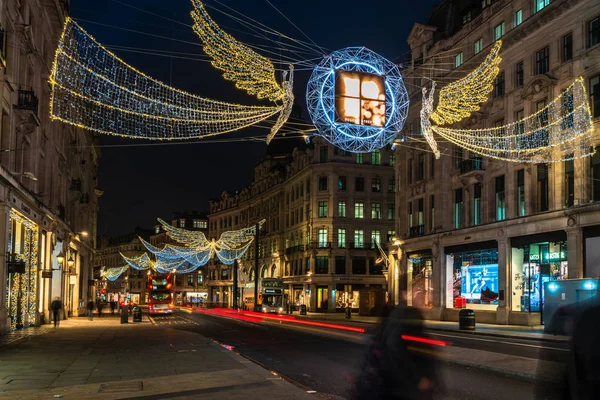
(419,288)
(347,296)
(474,281)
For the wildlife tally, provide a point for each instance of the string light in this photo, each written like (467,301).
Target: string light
(562,130)
(462,97)
(94,89)
(112,274)
(321,100)
(426,109)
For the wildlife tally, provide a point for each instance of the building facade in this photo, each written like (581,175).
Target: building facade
(484,231)
(48,185)
(324,210)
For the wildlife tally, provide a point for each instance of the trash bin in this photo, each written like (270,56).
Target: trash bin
(303,309)
(348,313)
(466,320)
(137,314)
(124,315)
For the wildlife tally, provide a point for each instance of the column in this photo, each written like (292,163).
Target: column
(331,299)
(575,252)
(504,281)
(4,228)
(438,284)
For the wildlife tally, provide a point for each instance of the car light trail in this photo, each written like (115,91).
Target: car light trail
(425,340)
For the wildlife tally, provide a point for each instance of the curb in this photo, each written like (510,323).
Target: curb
(550,340)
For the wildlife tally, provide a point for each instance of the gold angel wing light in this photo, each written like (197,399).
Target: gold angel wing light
(195,239)
(462,97)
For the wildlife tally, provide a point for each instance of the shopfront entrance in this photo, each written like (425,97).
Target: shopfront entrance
(322,298)
(419,285)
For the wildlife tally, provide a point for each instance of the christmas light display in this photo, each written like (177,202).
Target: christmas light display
(561,131)
(22,294)
(112,274)
(94,89)
(373,107)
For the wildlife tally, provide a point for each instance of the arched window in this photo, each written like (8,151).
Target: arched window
(273,269)
(263,272)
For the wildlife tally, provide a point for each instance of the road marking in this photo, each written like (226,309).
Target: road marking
(500,341)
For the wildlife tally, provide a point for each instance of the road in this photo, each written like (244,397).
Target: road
(326,362)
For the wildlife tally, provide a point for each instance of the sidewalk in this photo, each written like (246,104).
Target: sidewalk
(104,359)
(512,331)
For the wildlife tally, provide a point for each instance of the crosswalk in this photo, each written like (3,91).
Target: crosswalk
(170,320)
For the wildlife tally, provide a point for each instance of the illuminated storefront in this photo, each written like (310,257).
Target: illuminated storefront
(23,276)
(347,295)
(419,285)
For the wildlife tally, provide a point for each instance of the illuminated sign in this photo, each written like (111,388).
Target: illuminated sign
(359,98)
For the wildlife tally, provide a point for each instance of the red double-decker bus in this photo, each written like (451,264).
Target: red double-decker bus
(160,294)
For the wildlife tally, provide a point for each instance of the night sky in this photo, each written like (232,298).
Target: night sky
(142,182)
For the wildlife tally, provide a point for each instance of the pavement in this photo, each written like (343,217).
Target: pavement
(512,331)
(104,359)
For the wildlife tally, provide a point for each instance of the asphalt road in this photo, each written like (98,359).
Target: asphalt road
(326,362)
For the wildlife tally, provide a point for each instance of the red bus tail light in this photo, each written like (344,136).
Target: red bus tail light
(171,305)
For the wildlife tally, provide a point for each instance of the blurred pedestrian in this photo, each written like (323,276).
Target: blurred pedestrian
(56,305)
(391,369)
(99,305)
(113,306)
(584,363)
(90,309)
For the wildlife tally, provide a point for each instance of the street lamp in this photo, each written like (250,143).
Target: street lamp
(71,261)
(60,258)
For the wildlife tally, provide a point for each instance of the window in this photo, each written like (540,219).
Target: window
(359,158)
(390,235)
(376,210)
(200,280)
(432,212)
(542,187)
(190,280)
(421,167)
(409,173)
(322,237)
(391,211)
(466,18)
(322,183)
(540,4)
(431,165)
(541,135)
(542,61)
(499,85)
(569,183)
(359,210)
(341,208)
(594,32)
(340,265)
(518,18)
(321,265)
(477,204)
(595,96)
(458,208)
(376,236)
(323,154)
(340,152)
(342,183)
(567,47)
(200,224)
(376,185)
(359,239)
(376,157)
(595,174)
(157,229)
(500,199)
(478,46)
(341,238)
(458,157)
(322,209)
(182,223)
(420,215)
(567,106)
(410,219)
(391,185)
(519,76)
(458,60)
(359,184)
(485,3)
(392,160)
(359,265)
(499,31)
(521,193)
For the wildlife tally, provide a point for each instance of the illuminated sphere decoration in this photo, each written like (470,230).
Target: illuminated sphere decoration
(357,100)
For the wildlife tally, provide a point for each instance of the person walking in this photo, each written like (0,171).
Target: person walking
(113,306)
(90,310)
(99,305)
(55,306)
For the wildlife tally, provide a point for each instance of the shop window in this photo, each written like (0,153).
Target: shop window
(376,157)
(359,184)
(323,154)
(359,265)
(321,265)
(376,185)
(458,208)
(322,209)
(477,204)
(375,210)
(569,182)
(521,193)
(340,265)
(595,174)
(500,199)
(341,208)
(359,239)
(542,187)
(419,288)
(359,210)
(345,297)
(342,183)
(519,74)
(567,47)
(341,238)
(475,278)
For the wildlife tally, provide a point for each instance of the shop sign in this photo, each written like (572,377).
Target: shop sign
(46,274)
(552,256)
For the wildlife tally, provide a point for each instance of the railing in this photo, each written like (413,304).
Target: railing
(322,245)
(360,246)
(27,100)
(472,164)
(418,230)
(294,249)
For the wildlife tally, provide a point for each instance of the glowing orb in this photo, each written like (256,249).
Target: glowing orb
(357,100)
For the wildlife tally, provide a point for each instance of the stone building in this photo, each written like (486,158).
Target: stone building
(485,231)
(48,185)
(324,209)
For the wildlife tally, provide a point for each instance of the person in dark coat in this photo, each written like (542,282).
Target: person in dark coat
(99,305)
(113,306)
(90,309)
(584,363)
(55,306)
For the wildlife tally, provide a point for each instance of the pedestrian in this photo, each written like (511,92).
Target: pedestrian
(99,305)
(56,305)
(90,309)
(113,305)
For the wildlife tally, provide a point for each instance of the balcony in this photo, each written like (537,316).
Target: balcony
(472,164)
(360,245)
(321,245)
(418,230)
(294,249)
(27,104)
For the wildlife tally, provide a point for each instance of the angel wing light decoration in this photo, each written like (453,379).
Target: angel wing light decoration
(94,89)
(562,130)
